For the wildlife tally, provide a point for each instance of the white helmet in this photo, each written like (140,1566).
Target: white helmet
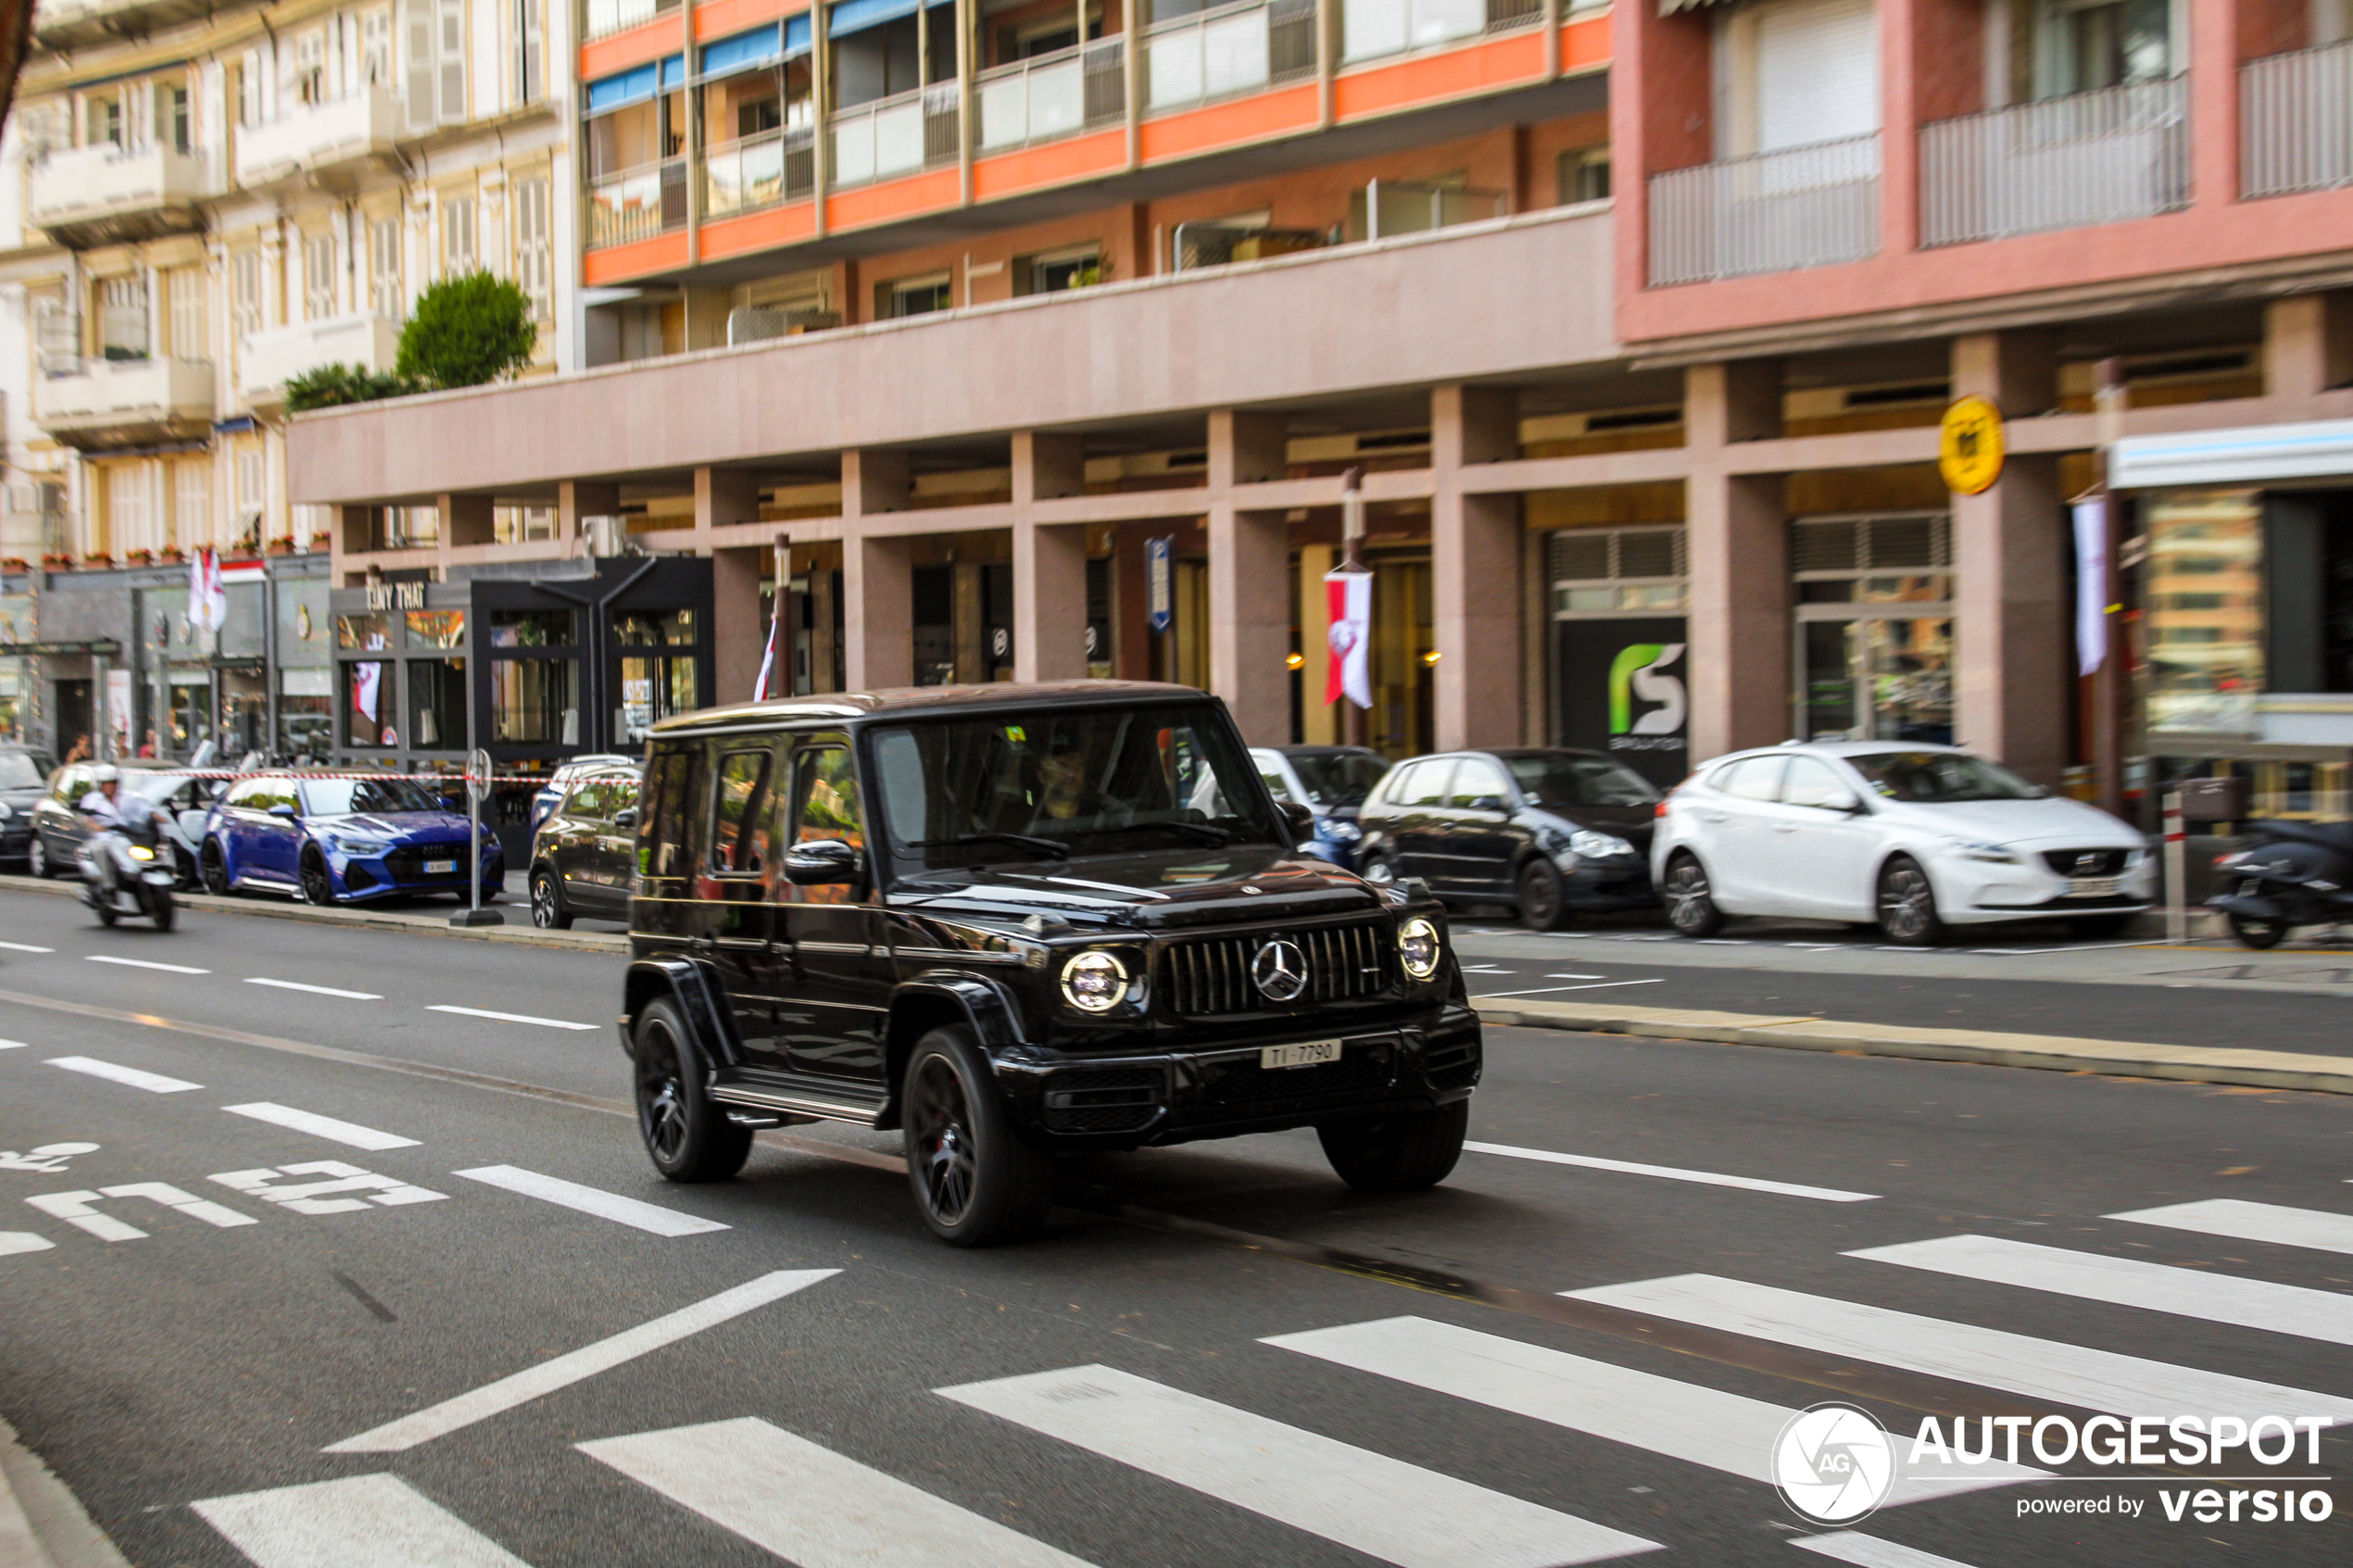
(107,774)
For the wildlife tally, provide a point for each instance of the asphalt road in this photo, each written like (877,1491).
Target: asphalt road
(1217,1356)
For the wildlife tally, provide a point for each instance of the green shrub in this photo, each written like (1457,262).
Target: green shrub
(330,387)
(467,330)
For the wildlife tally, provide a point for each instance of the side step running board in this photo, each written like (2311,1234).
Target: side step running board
(866,1113)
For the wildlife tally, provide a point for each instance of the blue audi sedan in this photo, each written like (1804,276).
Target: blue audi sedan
(340,840)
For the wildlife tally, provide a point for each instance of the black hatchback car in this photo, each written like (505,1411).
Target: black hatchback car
(1550,832)
(24,778)
(1010,921)
(584,853)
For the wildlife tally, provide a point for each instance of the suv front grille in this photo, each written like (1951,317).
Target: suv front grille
(1240,1080)
(2093,862)
(1211,975)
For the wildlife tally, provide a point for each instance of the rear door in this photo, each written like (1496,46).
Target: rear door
(836,997)
(1419,825)
(1737,842)
(664,911)
(571,840)
(1479,843)
(616,850)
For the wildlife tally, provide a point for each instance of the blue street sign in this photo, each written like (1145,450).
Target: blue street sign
(1159,582)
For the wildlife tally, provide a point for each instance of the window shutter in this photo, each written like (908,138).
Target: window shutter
(417,56)
(1816,72)
(453,60)
(530,88)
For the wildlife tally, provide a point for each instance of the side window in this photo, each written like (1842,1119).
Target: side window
(1426,786)
(72,784)
(668,847)
(1476,778)
(826,798)
(1810,783)
(1753,778)
(247,794)
(739,815)
(1274,784)
(588,800)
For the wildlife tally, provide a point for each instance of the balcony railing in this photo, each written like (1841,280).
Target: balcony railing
(915,129)
(1052,95)
(135,188)
(2297,122)
(2062,163)
(1373,28)
(272,358)
(1770,212)
(316,136)
(759,171)
(637,204)
(606,17)
(1411,207)
(102,401)
(1227,52)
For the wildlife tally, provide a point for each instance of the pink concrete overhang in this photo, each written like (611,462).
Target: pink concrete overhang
(1520,297)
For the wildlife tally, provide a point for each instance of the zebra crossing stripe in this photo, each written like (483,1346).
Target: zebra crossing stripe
(360,1521)
(1379,1506)
(2129,1282)
(2074,1375)
(809,1505)
(2242,1220)
(1684,1421)
(1870,1551)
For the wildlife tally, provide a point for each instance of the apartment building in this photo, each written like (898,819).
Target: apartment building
(1037,340)
(205,201)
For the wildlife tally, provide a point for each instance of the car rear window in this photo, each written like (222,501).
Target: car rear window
(1555,781)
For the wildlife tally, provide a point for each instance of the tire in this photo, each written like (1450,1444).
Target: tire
(1402,1153)
(1906,905)
(1378,871)
(36,857)
(159,906)
(686,1133)
(548,910)
(107,916)
(1543,897)
(212,868)
(2099,928)
(318,887)
(2255,932)
(978,1182)
(1691,905)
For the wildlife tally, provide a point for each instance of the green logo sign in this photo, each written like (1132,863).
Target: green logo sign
(1639,671)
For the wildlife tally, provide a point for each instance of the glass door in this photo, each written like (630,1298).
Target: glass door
(1874,628)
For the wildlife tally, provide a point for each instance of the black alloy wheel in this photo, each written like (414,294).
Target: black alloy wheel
(212,870)
(976,1181)
(2259,932)
(1907,905)
(1404,1152)
(686,1133)
(548,910)
(1543,897)
(317,886)
(1691,907)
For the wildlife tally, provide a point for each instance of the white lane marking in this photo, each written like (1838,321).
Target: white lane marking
(25,948)
(1539,990)
(14,1242)
(349,1132)
(315,990)
(1382,1507)
(1870,1551)
(314,1197)
(144,963)
(512,1017)
(79,1209)
(188,1203)
(154,1083)
(1577,977)
(575,1366)
(1485,969)
(1710,1178)
(11,1044)
(592,1200)
(2129,1282)
(2017,1363)
(809,1505)
(1684,1421)
(360,1521)
(2242,1220)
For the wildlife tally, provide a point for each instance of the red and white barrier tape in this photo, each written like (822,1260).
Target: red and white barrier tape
(310,773)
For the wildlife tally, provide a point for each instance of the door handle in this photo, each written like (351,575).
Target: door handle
(1784,827)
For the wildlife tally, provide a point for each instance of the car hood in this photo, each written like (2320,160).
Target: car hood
(1632,824)
(429,826)
(1166,889)
(2019,822)
(20,798)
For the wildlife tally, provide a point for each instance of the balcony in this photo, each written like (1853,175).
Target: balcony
(1770,212)
(1372,30)
(606,17)
(904,134)
(1051,96)
(759,171)
(317,139)
(70,24)
(636,204)
(100,403)
(2297,115)
(103,194)
(1227,52)
(2063,163)
(274,358)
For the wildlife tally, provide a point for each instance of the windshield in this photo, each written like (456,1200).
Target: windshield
(151,787)
(19,771)
(336,797)
(1940,778)
(1557,782)
(1070,780)
(1338,778)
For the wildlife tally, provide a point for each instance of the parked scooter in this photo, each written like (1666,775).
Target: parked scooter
(134,877)
(2295,873)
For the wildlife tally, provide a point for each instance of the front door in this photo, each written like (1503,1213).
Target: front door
(1822,859)
(1480,845)
(836,1002)
(272,844)
(1420,827)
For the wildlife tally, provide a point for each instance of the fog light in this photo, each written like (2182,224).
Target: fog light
(1094,980)
(1418,948)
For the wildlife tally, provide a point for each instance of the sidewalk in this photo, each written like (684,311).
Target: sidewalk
(42,1523)
(430,921)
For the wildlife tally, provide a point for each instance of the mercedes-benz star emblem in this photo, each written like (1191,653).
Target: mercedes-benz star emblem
(1279,971)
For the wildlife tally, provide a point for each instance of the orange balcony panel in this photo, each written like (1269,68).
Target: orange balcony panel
(1509,61)
(893,199)
(1056,163)
(619,264)
(647,41)
(785,225)
(1234,124)
(1585,46)
(724,18)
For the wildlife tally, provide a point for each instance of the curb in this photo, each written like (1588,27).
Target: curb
(43,1525)
(375,920)
(2056,1053)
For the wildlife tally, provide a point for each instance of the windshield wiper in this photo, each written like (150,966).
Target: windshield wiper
(1209,831)
(1053,846)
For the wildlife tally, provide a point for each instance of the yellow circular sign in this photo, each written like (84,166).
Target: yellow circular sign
(1969,446)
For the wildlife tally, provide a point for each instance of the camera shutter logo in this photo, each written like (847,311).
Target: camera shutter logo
(1640,671)
(1833,1463)
(1279,971)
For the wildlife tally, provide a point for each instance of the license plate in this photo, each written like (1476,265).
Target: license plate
(441,868)
(2091,887)
(1309,1054)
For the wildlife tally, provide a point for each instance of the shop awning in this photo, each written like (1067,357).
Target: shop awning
(634,86)
(2247,456)
(852,16)
(761,46)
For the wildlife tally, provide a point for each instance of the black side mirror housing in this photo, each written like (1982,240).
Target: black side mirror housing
(821,862)
(625,818)
(1487,803)
(1301,820)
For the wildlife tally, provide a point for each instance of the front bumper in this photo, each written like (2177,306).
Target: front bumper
(363,878)
(1609,882)
(16,837)
(1975,892)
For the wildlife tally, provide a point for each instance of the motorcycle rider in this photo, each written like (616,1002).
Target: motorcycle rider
(106,812)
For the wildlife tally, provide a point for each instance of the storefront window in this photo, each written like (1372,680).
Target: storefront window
(532,700)
(676,627)
(437,628)
(652,690)
(1874,627)
(305,722)
(437,704)
(367,703)
(531,629)
(364,633)
(2205,589)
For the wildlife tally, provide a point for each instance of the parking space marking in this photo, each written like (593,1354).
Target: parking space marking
(144,963)
(79,1209)
(592,1200)
(349,1132)
(314,990)
(575,1366)
(14,1242)
(154,1083)
(510,1017)
(358,1522)
(25,948)
(319,1198)
(1676,1174)
(1603,985)
(2242,1220)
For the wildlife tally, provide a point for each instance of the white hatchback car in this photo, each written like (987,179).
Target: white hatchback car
(1913,837)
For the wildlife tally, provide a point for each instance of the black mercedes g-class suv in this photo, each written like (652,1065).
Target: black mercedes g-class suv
(1016,919)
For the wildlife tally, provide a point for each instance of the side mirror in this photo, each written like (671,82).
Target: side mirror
(821,862)
(1298,819)
(1844,800)
(1487,803)
(288,812)
(625,818)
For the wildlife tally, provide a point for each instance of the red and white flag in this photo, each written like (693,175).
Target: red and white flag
(760,692)
(208,600)
(1348,599)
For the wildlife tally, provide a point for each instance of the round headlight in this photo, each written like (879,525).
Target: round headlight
(1418,948)
(1094,980)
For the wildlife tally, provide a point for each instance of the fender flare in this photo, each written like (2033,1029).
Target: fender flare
(994,1021)
(702,1006)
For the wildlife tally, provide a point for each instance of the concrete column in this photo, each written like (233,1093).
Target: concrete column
(1245,448)
(1738,541)
(739,634)
(1048,467)
(1475,551)
(465,519)
(1249,577)
(580,499)
(822,581)
(878,613)
(2308,344)
(2018,370)
(1318,719)
(875,480)
(1050,602)
(968,621)
(723,497)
